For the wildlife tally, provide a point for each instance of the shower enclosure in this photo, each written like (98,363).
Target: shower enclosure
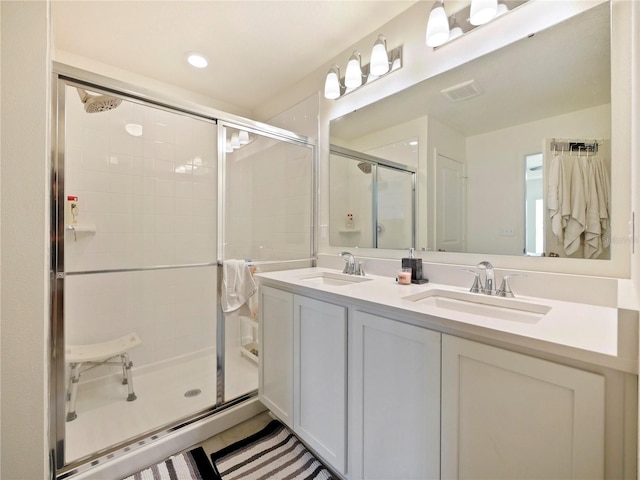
(148,200)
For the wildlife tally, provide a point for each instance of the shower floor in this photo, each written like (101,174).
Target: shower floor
(105,418)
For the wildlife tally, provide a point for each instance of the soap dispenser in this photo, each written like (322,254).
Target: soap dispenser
(415,264)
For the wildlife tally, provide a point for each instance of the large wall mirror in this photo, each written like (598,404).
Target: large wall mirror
(512,146)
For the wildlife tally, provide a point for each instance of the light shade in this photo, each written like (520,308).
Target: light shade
(437,26)
(332,83)
(482,11)
(243,136)
(353,74)
(379,57)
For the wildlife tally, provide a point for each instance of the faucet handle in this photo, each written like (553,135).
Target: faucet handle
(477,283)
(360,269)
(505,289)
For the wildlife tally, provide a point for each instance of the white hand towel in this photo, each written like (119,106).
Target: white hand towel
(238,285)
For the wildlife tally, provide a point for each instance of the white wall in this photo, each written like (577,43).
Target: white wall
(24,217)
(495,174)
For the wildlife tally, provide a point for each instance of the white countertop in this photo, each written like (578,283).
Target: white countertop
(575,331)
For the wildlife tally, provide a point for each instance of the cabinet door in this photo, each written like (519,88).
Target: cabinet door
(320,378)
(276,352)
(510,416)
(394,406)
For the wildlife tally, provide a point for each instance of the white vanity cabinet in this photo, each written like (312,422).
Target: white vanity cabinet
(275,362)
(394,400)
(320,378)
(303,369)
(511,416)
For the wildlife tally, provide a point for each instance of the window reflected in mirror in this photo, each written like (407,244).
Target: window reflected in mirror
(534,205)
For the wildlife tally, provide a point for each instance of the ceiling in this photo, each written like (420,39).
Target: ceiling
(256,49)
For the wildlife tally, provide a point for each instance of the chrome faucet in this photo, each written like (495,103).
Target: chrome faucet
(350,263)
(488,287)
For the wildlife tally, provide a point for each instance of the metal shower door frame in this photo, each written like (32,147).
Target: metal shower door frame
(63,76)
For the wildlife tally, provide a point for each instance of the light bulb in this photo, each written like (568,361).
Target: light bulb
(353,74)
(332,84)
(379,64)
(437,26)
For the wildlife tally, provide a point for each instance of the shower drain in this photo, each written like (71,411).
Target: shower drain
(193,392)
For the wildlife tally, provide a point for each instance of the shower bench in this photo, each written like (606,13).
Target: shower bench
(82,358)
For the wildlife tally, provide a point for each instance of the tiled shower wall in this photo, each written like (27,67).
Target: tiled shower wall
(268,201)
(152,201)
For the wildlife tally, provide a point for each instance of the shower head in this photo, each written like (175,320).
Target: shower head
(365,167)
(97,103)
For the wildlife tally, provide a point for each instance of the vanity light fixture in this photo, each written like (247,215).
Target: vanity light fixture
(437,25)
(478,13)
(357,75)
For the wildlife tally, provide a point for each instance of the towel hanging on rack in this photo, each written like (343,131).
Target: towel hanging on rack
(238,285)
(578,193)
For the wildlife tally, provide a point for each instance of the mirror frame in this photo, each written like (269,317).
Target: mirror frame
(532,17)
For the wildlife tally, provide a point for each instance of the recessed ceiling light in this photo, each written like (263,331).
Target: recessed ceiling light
(197,60)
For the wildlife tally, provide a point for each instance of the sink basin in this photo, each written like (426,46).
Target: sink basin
(333,279)
(484,305)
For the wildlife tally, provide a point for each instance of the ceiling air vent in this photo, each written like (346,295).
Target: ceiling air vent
(461,91)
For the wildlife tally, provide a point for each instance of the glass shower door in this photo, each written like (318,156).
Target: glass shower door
(138,201)
(267,223)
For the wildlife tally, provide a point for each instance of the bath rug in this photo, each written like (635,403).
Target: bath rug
(273,453)
(191,465)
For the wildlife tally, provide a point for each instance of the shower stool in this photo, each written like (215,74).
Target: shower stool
(82,358)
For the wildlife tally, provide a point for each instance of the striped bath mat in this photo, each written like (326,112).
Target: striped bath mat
(273,453)
(191,465)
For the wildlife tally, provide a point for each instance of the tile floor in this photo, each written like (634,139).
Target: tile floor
(236,433)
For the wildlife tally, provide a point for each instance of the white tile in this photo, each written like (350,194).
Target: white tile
(164,187)
(121,163)
(121,203)
(95,181)
(120,183)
